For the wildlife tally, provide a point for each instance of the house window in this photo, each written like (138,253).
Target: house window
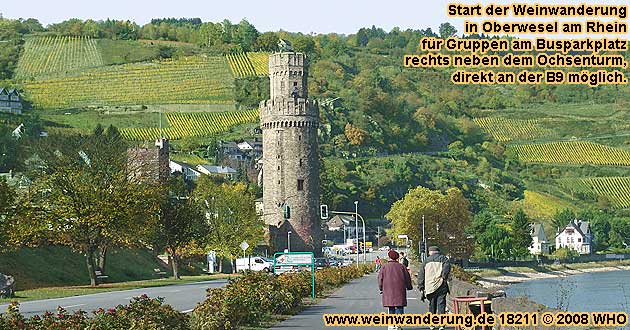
(579,240)
(300,185)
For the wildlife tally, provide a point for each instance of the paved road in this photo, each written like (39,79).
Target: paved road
(183,297)
(360,296)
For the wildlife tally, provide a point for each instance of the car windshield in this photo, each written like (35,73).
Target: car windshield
(267,259)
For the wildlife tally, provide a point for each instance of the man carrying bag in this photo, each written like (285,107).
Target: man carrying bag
(432,280)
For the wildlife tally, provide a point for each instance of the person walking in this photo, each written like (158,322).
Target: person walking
(432,280)
(377,263)
(404,260)
(393,282)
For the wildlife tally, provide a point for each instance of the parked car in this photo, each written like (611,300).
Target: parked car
(335,262)
(327,250)
(321,263)
(384,248)
(255,264)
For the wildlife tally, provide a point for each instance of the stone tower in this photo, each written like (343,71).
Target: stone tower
(289,122)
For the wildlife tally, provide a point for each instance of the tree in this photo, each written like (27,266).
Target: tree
(86,197)
(447,30)
(7,200)
(179,224)
(356,135)
(230,214)
(562,218)
(362,37)
(520,234)
(446,217)
(267,41)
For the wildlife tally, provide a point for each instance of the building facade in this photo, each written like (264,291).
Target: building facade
(10,101)
(539,244)
(576,236)
(289,121)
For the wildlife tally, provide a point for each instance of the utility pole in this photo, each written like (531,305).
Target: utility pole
(378,235)
(424,240)
(356,226)
(289,241)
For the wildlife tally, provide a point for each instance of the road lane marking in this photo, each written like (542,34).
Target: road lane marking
(73,306)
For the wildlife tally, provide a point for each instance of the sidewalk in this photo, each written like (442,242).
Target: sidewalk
(359,296)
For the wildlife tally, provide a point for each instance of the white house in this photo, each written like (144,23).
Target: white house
(224,171)
(539,245)
(189,172)
(577,236)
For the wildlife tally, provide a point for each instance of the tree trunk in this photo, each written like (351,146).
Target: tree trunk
(233,266)
(220,264)
(175,265)
(102,255)
(89,260)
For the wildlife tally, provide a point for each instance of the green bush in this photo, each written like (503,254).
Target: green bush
(142,313)
(251,299)
(245,301)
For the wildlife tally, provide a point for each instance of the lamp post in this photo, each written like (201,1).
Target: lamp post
(289,241)
(356,226)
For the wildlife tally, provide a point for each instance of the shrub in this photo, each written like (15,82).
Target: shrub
(142,313)
(251,299)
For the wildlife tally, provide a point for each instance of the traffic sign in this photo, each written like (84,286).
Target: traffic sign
(243,245)
(295,259)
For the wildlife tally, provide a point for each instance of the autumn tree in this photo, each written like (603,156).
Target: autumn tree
(230,215)
(86,196)
(446,216)
(356,135)
(180,222)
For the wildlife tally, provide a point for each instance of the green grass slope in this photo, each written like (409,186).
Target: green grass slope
(59,266)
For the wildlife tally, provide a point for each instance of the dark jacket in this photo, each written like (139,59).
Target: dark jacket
(405,261)
(434,273)
(394,281)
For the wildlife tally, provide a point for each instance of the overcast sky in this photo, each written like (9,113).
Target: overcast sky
(319,16)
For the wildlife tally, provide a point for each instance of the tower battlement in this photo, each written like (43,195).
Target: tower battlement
(280,61)
(287,74)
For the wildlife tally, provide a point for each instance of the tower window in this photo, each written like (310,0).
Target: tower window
(295,83)
(278,181)
(299,137)
(300,162)
(300,185)
(278,168)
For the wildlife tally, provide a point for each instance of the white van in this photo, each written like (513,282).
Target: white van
(255,264)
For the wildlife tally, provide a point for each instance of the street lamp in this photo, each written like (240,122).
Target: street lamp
(356,226)
(289,241)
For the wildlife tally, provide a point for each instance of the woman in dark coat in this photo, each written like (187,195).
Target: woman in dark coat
(394,281)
